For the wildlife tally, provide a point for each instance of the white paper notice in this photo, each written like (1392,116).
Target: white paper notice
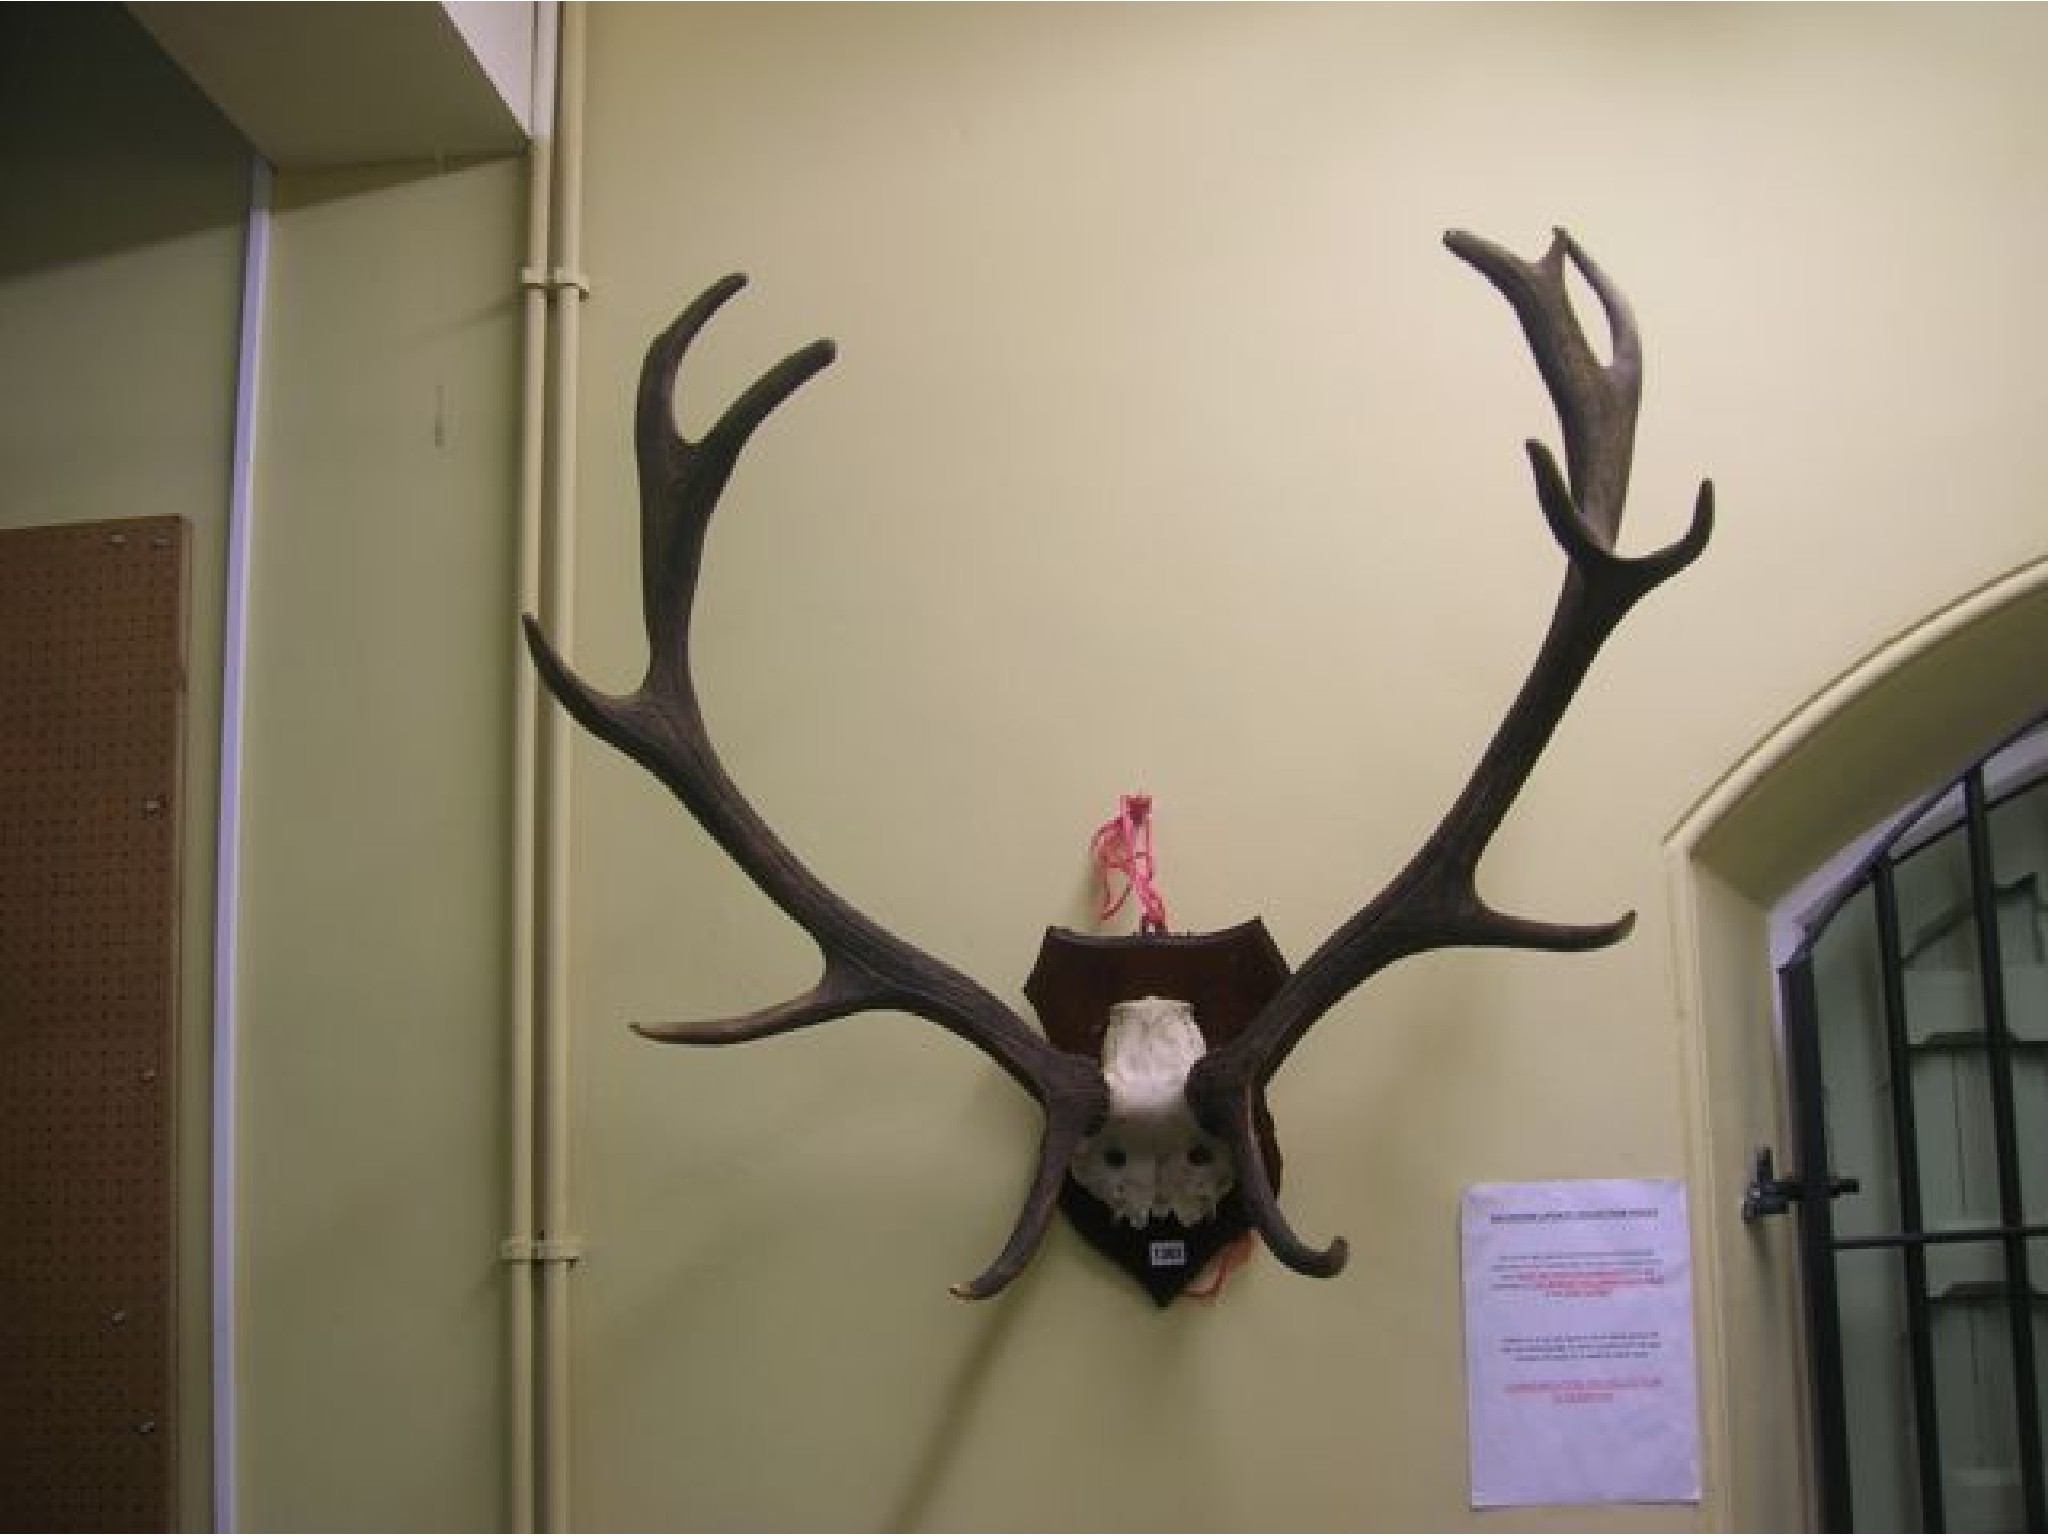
(1578,1343)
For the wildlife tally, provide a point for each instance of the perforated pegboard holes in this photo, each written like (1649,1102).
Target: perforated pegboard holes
(91,714)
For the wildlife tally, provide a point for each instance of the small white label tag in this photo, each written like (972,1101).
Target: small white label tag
(1169,1254)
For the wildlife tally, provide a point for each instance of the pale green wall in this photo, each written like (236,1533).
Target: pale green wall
(120,284)
(370,1188)
(1167,448)
(374,993)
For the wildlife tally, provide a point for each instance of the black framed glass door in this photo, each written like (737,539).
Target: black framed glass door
(1916,1019)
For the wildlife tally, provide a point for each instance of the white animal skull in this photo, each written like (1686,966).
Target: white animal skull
(1151,1159)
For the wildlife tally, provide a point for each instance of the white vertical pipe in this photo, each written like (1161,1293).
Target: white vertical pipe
(227,883)
(520,1211)
(554,1055)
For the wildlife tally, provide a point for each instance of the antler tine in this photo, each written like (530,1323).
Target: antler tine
(681,481)
(1068,1122)
(1596,404)
(661,727)
(1434,903)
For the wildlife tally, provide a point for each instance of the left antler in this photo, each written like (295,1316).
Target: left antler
(1434,903)
(661,727)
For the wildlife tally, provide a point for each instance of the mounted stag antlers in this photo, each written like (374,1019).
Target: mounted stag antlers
(1431,904)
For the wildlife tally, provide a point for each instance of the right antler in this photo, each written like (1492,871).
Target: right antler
(1434,903)
(661,727)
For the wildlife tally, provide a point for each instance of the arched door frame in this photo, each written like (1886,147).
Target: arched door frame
(1915,711)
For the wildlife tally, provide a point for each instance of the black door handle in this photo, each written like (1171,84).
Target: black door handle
(1770,1195)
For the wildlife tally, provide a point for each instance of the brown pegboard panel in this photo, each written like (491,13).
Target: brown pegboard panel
(92,675)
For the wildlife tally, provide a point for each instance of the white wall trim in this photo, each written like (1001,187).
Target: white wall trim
(1798,730)
(228,839)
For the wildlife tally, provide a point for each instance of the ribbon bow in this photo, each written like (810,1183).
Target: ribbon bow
(1122,846)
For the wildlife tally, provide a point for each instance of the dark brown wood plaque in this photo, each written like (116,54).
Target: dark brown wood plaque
(1226,978)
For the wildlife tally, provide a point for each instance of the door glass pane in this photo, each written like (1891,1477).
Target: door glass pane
(1849,990)
(2019,863)
(1954,1122)
(1877,1391)
(1944,1348)
(1969,1314)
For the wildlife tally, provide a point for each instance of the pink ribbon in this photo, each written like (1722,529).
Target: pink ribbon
(1123,846)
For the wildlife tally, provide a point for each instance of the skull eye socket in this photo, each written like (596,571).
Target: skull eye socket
(1200,1156)
(1115,1157)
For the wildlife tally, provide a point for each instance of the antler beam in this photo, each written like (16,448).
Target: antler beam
(1434,903)
(661,727)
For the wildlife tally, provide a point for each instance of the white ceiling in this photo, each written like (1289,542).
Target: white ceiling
(356,83)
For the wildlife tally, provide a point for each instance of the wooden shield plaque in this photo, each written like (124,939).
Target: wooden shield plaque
(1225,978)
